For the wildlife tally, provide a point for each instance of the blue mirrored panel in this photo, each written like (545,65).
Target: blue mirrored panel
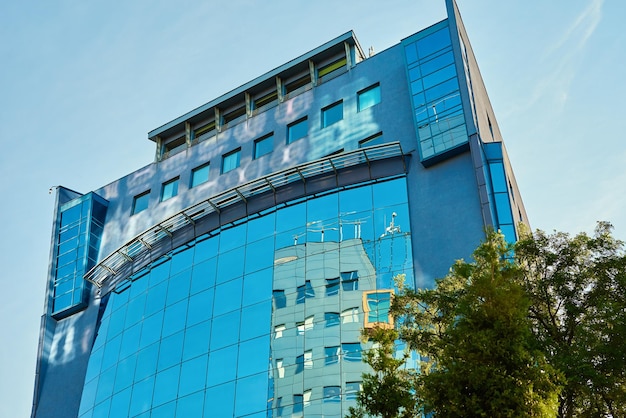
(433,82)
(212,317)
(77,241)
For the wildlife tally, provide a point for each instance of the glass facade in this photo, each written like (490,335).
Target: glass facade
(434,88)
(499,187)
(77,243)
(240,321)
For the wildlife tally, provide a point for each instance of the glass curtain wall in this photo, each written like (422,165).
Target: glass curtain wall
(259,318)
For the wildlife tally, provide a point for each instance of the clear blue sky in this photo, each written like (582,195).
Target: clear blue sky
(83,82)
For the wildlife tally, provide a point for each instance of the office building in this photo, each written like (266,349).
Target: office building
(233,275)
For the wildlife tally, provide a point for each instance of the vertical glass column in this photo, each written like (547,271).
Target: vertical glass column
(434,88)
(76,250)
(498,189)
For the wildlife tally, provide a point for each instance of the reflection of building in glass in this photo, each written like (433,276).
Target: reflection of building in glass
(317,340)
(233,276)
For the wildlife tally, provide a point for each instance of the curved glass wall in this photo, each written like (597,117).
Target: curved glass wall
(260,318)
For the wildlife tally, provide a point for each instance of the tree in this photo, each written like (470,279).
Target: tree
(577,288)
(473,332)
(389,391)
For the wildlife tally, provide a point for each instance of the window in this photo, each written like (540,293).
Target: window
(331,355)
(306,397)
(297,83)
(332,114)
(326,69)
(279,407)
(350,315)
(278,331)
(296,130)
(305,325)
(332,286)
(350,280)
(305,291)
(376,306)
(351,351)
(200,175)
(230,161)
(305,361)
(297,404)
(207,129)
(265,99)
(332,319)
(299,364)
(352,390)
(368,97)
(174,146)
(332,394)
(375,139)
(140,202)
(234,115)
(308,359)
(263,146)
(280,368)
(169,189)
(280,301)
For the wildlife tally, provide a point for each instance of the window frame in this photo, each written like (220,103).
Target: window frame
(279,298)
(324,113)
(362,93)
(349,355)
(332,286)
(229,154)
(269,138)
(366,309)
(377,139)
(165,186)
(139,197)
(290,138)
(196,170)
(349,280)
(331,394)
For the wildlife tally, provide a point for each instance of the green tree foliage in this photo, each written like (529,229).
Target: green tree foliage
(577,288)
(389,391)
(472,330)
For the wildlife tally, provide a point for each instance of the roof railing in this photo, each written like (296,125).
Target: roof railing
(145,241)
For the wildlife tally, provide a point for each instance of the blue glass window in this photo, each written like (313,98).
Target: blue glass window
(298,404)
(332,394)
(200,175)
(305,291)
(296,130)
(140,202)
(368,97)
(349,280)
(280,301)
(77,242)
(377,305)
(169,189)
(263,146)
(332,286)
(331,318)
(331,355)
(332,114)
(352,390)
(299,364)
(376,139)
(230,161)
(351,351)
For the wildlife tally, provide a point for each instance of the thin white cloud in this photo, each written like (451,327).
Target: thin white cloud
(561,60)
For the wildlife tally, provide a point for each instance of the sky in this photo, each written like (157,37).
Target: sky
(82,83)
